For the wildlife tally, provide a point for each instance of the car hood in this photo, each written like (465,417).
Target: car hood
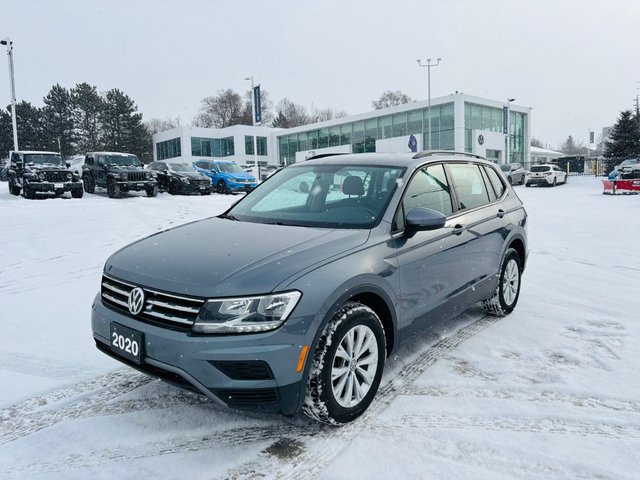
(127,168)
(221,258)
(189,175)
(47,168)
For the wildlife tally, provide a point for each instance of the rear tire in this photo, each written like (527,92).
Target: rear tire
(347,366)
(506,296)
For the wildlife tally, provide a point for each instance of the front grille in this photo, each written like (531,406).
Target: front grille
(55,176)
(254,396)
(249,370)
(163,308)
(204,183)
(136,176)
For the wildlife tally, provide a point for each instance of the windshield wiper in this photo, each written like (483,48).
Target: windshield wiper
(229,217)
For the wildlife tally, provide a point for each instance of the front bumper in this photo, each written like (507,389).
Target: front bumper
(137,186)
(190,188)
(53,187)
(214,365)
(241,187)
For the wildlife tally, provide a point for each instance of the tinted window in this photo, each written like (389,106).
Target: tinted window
(496,181)
(469,184)
(540,168)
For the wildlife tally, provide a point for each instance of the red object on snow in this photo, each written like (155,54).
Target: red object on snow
(621,187)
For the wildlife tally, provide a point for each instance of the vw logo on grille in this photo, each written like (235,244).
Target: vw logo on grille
(136,300)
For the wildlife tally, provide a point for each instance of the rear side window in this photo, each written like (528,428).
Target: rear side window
(496,181)
(469,185)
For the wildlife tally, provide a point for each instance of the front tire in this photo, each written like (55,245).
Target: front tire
(13,189)
(506,296)
(347,366)
(152,191)
(89,184)
(77,193)
(113,189)
(221,187)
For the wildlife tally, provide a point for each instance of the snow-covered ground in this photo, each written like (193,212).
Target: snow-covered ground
(551,391)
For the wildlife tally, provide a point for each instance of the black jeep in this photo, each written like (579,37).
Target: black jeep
(118,173)
(38,173)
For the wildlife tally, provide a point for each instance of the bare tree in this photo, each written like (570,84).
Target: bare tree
(289,114)
(536,143)
(571,148)
(323,114)
(156,125)
(220,111)
(391,99)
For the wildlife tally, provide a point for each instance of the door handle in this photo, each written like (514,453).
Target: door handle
(458,229)
(501,213)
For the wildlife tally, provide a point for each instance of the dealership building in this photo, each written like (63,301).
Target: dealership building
(458,122)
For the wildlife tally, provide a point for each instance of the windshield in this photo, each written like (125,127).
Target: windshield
(321,195)
(180,167)
(119,160)
(540,169)
(505,167)
(230,167)
(43,159)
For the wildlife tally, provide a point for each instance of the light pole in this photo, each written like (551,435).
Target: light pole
(253,122)
(429,65)
(12,85)
(506,148)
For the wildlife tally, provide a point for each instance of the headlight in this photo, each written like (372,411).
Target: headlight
(123,176)
(149,175)
(246,314)
(42,176)
(184,179)
(69,176)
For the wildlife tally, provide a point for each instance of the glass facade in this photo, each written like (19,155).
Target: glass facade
(362,134)
(168,149)
(261,142)
(481,117)
(212,147)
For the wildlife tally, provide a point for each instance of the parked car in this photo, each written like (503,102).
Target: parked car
(307,291)
(36,173)
(226,176)
(546,174)
(75,164)
(514,172)
(179,178)
(118,173)
(628,164)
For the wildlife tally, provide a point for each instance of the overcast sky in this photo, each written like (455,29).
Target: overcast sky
(577,63)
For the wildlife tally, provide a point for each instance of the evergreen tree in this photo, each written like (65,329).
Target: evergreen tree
(624,137)
(6,134)
(57,121)
(86,106)
(30,127)
(122,127)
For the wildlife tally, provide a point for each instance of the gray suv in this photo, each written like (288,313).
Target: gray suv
(295,297)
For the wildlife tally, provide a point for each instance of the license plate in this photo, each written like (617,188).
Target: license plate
(141,184)
(126,342)
(58,185)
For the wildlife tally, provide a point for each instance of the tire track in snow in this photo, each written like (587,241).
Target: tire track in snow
(86,398)
(527,396)
(311,462)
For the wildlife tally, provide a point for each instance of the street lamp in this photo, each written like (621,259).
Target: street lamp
(12,85)
(506,129)
(429,65)
(253,122)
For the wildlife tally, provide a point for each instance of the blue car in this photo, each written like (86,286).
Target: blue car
(226,176)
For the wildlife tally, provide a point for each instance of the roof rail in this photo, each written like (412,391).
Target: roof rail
(428,153)
(322,155)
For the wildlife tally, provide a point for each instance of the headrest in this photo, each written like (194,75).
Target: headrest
(352,185)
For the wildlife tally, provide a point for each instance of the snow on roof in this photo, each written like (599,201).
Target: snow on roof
(31,152)
(544,151)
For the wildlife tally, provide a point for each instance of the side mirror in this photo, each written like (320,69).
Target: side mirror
(421,218)
(304,187)
(18,164)
(68,164)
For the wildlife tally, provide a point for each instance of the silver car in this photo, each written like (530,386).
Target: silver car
(514,173)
